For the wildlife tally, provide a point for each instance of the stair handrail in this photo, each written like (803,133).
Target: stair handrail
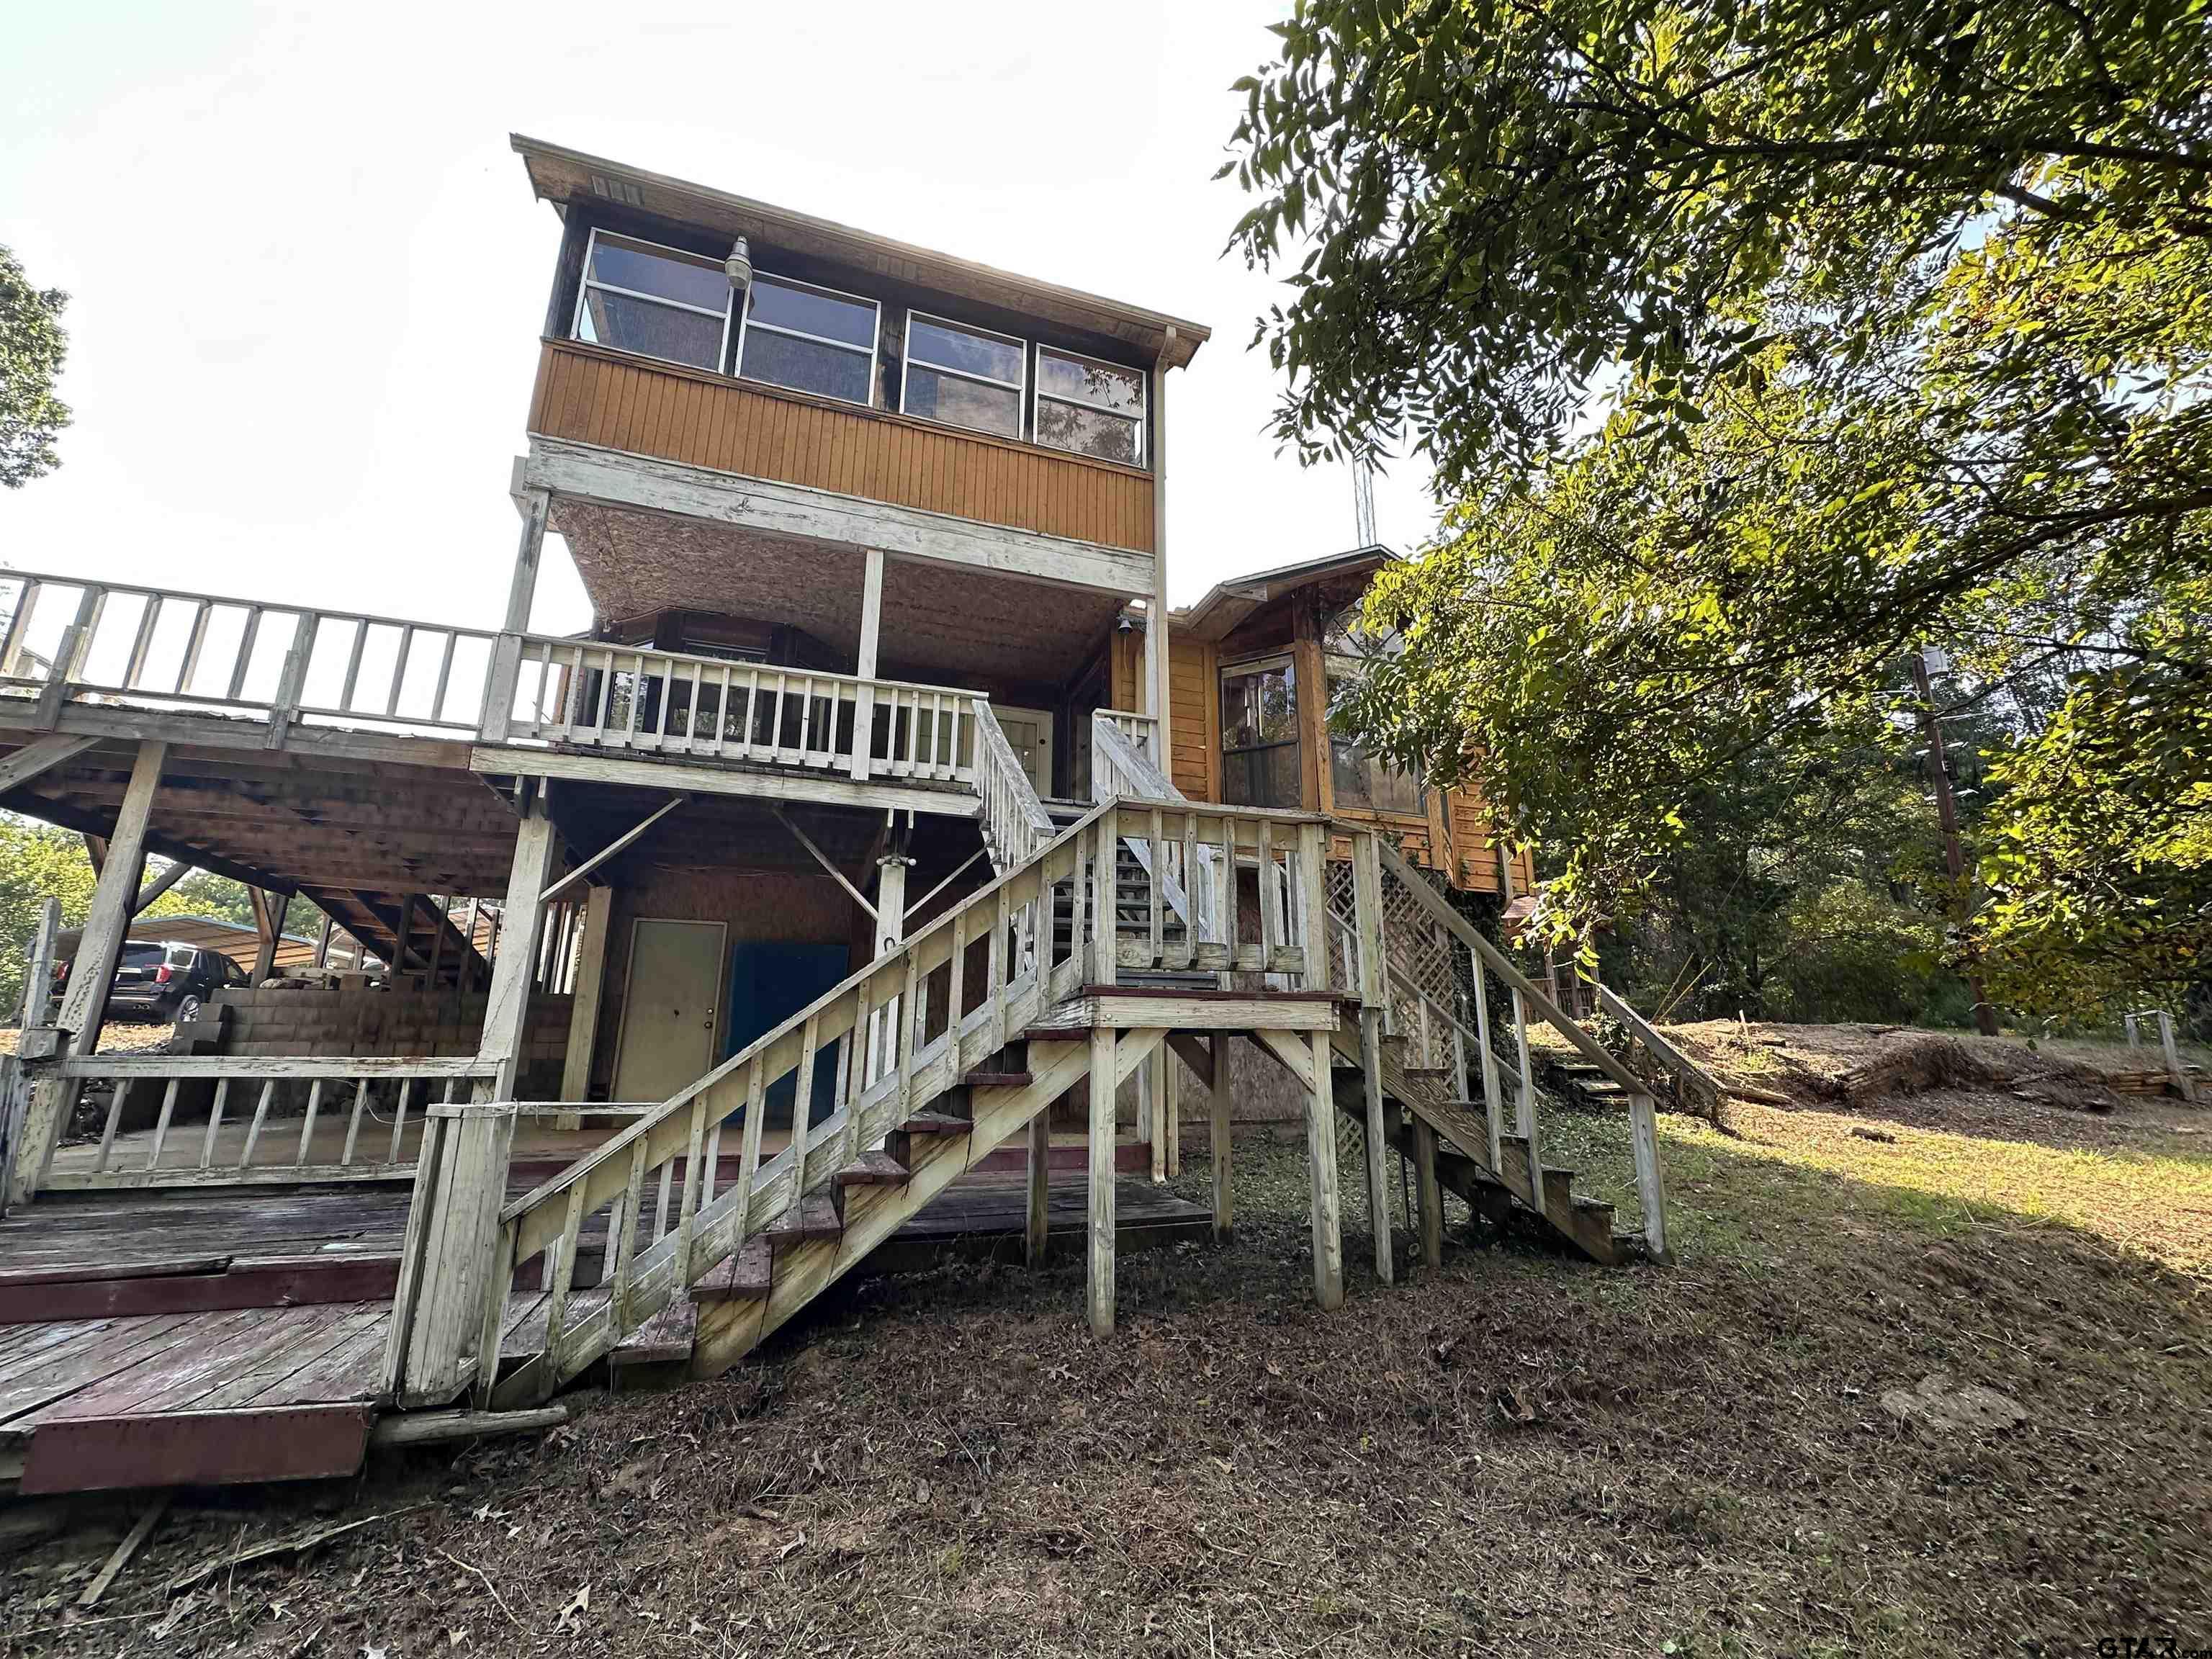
(1128,771)
(1014,821)
(1697,1083)
(1643,1133)
(898,1074)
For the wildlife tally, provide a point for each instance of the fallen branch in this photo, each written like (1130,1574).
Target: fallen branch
(471,1567)
(291,1545)
(1762,1097)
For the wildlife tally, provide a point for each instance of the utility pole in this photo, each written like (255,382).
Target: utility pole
(1947,813)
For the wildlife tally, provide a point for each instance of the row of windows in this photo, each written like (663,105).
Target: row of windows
(1259,746)
(662,303)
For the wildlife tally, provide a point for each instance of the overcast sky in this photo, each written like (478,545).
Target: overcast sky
(306,274)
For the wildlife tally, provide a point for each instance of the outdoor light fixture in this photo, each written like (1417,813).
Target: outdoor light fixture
(739,266)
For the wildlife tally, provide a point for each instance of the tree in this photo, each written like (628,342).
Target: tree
(31,346)
(1899,322)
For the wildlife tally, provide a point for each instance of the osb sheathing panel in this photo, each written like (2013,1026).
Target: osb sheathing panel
(942,623)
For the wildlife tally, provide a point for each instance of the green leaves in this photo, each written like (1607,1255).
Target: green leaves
(32,346)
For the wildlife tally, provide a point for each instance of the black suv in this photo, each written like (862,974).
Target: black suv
(168,981)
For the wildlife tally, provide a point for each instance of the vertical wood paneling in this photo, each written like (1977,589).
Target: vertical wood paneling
(590,398)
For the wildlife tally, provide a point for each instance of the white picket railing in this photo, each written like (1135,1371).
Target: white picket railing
(636,700)
(1014,822)
(273,1109)
(67,641)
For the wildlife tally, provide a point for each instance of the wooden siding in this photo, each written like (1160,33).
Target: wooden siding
(589,395)
(1452,836)
(1194,731)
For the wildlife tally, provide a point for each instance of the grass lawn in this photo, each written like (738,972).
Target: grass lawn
(1519,1453)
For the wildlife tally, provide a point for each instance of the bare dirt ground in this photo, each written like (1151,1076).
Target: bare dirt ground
(1518,1453)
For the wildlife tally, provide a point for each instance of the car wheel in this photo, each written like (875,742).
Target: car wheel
(188,1010)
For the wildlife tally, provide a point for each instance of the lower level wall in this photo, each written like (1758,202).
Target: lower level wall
(302,1021)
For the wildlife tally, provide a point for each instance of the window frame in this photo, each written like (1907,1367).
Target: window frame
(1143,416)
(875,347)
(1244,667)
(1336,665)
(585,282)
(907,362)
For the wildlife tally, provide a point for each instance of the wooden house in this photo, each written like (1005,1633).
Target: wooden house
(882,807)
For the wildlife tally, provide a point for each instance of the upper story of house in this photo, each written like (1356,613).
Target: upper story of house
(711,355)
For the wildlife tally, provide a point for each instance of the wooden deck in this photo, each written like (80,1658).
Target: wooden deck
(214,1336)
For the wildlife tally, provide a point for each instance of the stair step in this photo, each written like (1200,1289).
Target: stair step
(981,1079)
(873,1170)
(817,1217)
(744,1277)
(662,1340)
(935,1123)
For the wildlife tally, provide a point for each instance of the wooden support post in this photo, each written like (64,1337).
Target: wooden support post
(447,1265)
(522,589)
(266,921)
(1643,1141)
(1156,605)
(1153,1109)
(2174,1068)
(1100,1286)
(1225,1208)
(84,1010)
(1429,1191)
(1321,1159)
(1378,1138)
(39,969)
(507,1006)
(584,1007)
(1171,1109)
(1036,1232)
(864,703)
(322,943)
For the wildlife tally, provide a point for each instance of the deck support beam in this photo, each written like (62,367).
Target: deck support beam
(84,1010)
(864,701)
(1099,1286)
(506,1005)
(1429,1192)
(1037,1228)
(1378,1138)
(92,974)
(1320,1160)
(1225,1212)
(584,1007)
(268,922)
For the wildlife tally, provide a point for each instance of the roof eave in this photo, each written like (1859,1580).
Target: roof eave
(559,174)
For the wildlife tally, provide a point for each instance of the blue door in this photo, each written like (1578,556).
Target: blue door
(771,979)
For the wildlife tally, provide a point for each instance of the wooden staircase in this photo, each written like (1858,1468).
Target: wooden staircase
(1078,962)
(1497,1181)
(931,1057)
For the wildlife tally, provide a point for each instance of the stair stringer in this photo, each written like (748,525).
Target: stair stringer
(1474,1178)
(727,1330)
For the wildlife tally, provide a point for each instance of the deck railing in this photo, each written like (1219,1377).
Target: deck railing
(67,641)
(225,1120)
(1014,822)
(1143,731)
(638,700)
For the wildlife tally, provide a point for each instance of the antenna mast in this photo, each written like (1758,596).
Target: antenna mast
(1363,504)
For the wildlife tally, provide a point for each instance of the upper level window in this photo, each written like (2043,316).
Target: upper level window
(1259,734)
(1089,407)
(655,300)
(808,339)
(963,375)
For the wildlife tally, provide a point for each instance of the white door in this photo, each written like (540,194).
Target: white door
(1029,732)
(672,1008)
